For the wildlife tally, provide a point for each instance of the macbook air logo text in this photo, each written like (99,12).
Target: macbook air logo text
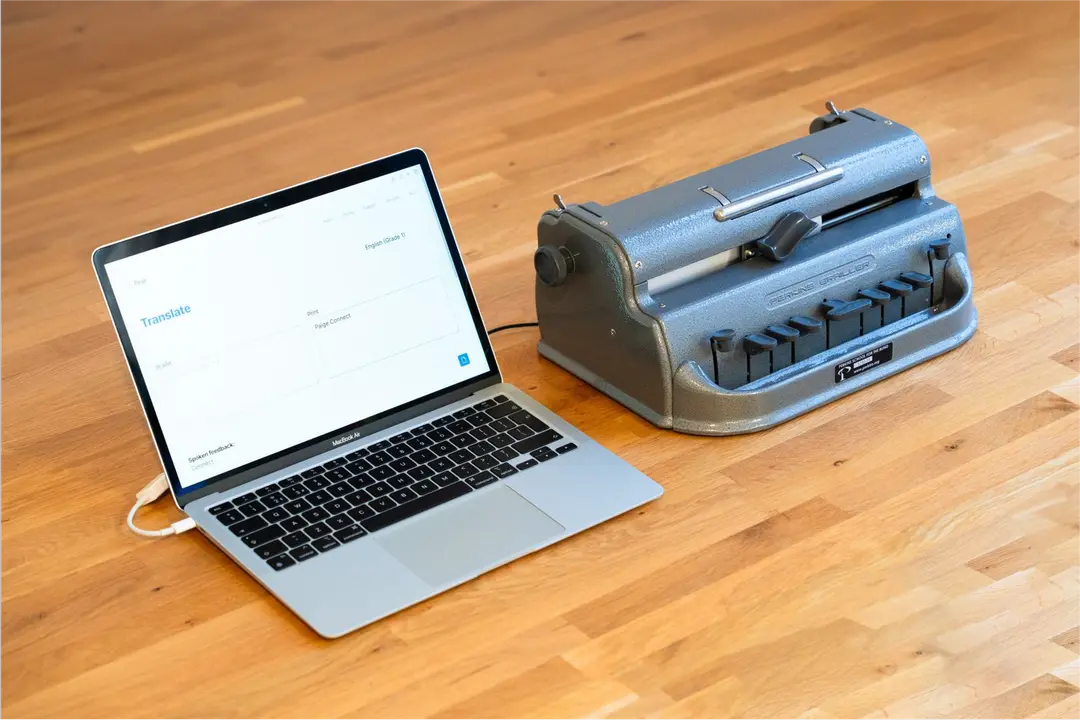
(343,439)
(174,313)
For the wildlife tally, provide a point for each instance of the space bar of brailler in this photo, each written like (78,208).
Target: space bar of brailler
(419,505)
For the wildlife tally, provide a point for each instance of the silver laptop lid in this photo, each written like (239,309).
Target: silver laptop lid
(275,329)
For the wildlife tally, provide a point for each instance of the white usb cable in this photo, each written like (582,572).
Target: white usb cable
(155,489)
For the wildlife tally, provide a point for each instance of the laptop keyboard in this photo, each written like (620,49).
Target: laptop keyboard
(346,498)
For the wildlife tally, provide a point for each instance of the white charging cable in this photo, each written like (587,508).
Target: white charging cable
(155,489)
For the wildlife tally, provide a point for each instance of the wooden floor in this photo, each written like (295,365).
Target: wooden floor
(909,551)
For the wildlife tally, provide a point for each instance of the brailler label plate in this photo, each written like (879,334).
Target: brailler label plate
(863,362)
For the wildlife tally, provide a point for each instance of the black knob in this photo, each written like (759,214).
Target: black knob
(784,236)
(553,264)
(942,248)
(833,117)
(822,122)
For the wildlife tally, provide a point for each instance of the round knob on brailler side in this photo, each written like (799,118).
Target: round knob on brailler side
(553,264)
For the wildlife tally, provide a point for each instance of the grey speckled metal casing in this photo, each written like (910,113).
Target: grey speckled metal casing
(649,349)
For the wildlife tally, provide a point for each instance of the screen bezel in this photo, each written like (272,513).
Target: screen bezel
(248,209)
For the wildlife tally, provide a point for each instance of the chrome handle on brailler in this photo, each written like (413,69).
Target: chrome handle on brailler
(820,178)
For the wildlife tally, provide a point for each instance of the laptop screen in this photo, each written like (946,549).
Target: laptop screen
(278,329)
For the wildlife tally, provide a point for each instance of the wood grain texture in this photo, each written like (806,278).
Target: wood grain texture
(908,551)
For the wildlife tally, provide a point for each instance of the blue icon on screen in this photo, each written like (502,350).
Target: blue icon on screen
(463,359)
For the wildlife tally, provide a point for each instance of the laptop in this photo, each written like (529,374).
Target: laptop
(326,404)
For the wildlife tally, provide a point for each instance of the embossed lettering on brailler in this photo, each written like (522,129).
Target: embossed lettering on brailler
(820,281)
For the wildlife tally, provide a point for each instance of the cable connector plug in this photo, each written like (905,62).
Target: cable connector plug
(153,490)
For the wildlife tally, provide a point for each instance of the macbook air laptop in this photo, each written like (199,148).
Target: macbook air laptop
(326,403)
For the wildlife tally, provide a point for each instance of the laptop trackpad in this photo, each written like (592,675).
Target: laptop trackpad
(461,541)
